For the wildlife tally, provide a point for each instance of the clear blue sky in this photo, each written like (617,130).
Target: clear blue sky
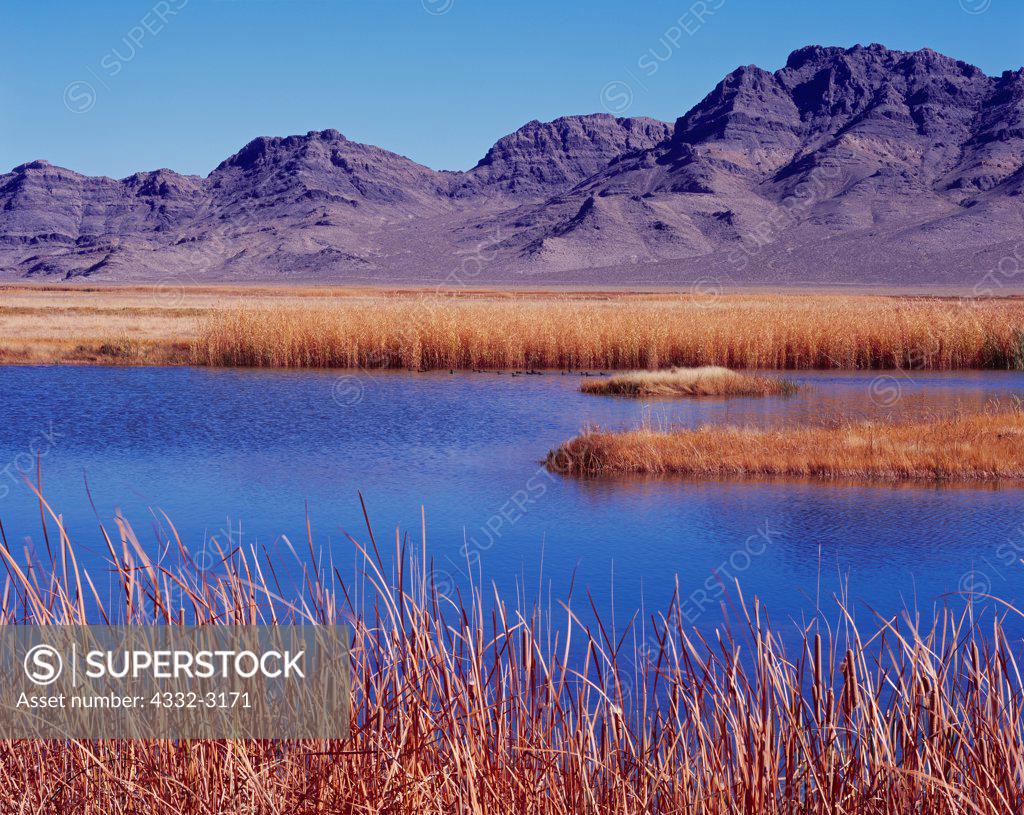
(117,86)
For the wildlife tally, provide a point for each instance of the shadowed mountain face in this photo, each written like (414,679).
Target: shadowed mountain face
(858,165)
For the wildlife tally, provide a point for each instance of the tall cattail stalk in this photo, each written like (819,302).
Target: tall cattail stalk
(466,704)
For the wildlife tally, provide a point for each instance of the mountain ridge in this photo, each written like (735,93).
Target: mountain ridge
(846,165)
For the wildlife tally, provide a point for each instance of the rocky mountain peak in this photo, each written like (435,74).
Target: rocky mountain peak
(546,156)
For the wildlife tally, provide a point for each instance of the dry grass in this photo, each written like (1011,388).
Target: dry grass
(710,380)
(99,326)
(638,332)
(132,325)
(466,705)
(964,447)
(377,328)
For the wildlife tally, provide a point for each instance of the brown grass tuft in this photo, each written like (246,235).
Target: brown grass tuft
(986,446)
(711,380)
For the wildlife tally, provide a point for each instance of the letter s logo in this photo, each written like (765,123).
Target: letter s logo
(43,664)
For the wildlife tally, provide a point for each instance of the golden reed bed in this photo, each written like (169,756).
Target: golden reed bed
(374,328)
(768,332)
(966,447)
(468,705)
(710,380)
(622,333)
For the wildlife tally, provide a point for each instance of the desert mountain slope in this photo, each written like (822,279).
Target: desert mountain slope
(859,165)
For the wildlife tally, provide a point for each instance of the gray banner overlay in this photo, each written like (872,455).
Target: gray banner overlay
(174,682)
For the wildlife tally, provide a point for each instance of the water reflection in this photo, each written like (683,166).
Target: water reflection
(250,451)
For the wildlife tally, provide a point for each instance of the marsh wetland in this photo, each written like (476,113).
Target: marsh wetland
(379,458)
(241,455)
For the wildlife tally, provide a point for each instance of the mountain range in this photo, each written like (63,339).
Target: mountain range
(860,165)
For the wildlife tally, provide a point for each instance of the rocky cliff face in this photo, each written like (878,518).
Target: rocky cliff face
(846,165)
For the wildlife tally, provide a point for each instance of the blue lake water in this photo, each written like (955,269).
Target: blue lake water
(245,454)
